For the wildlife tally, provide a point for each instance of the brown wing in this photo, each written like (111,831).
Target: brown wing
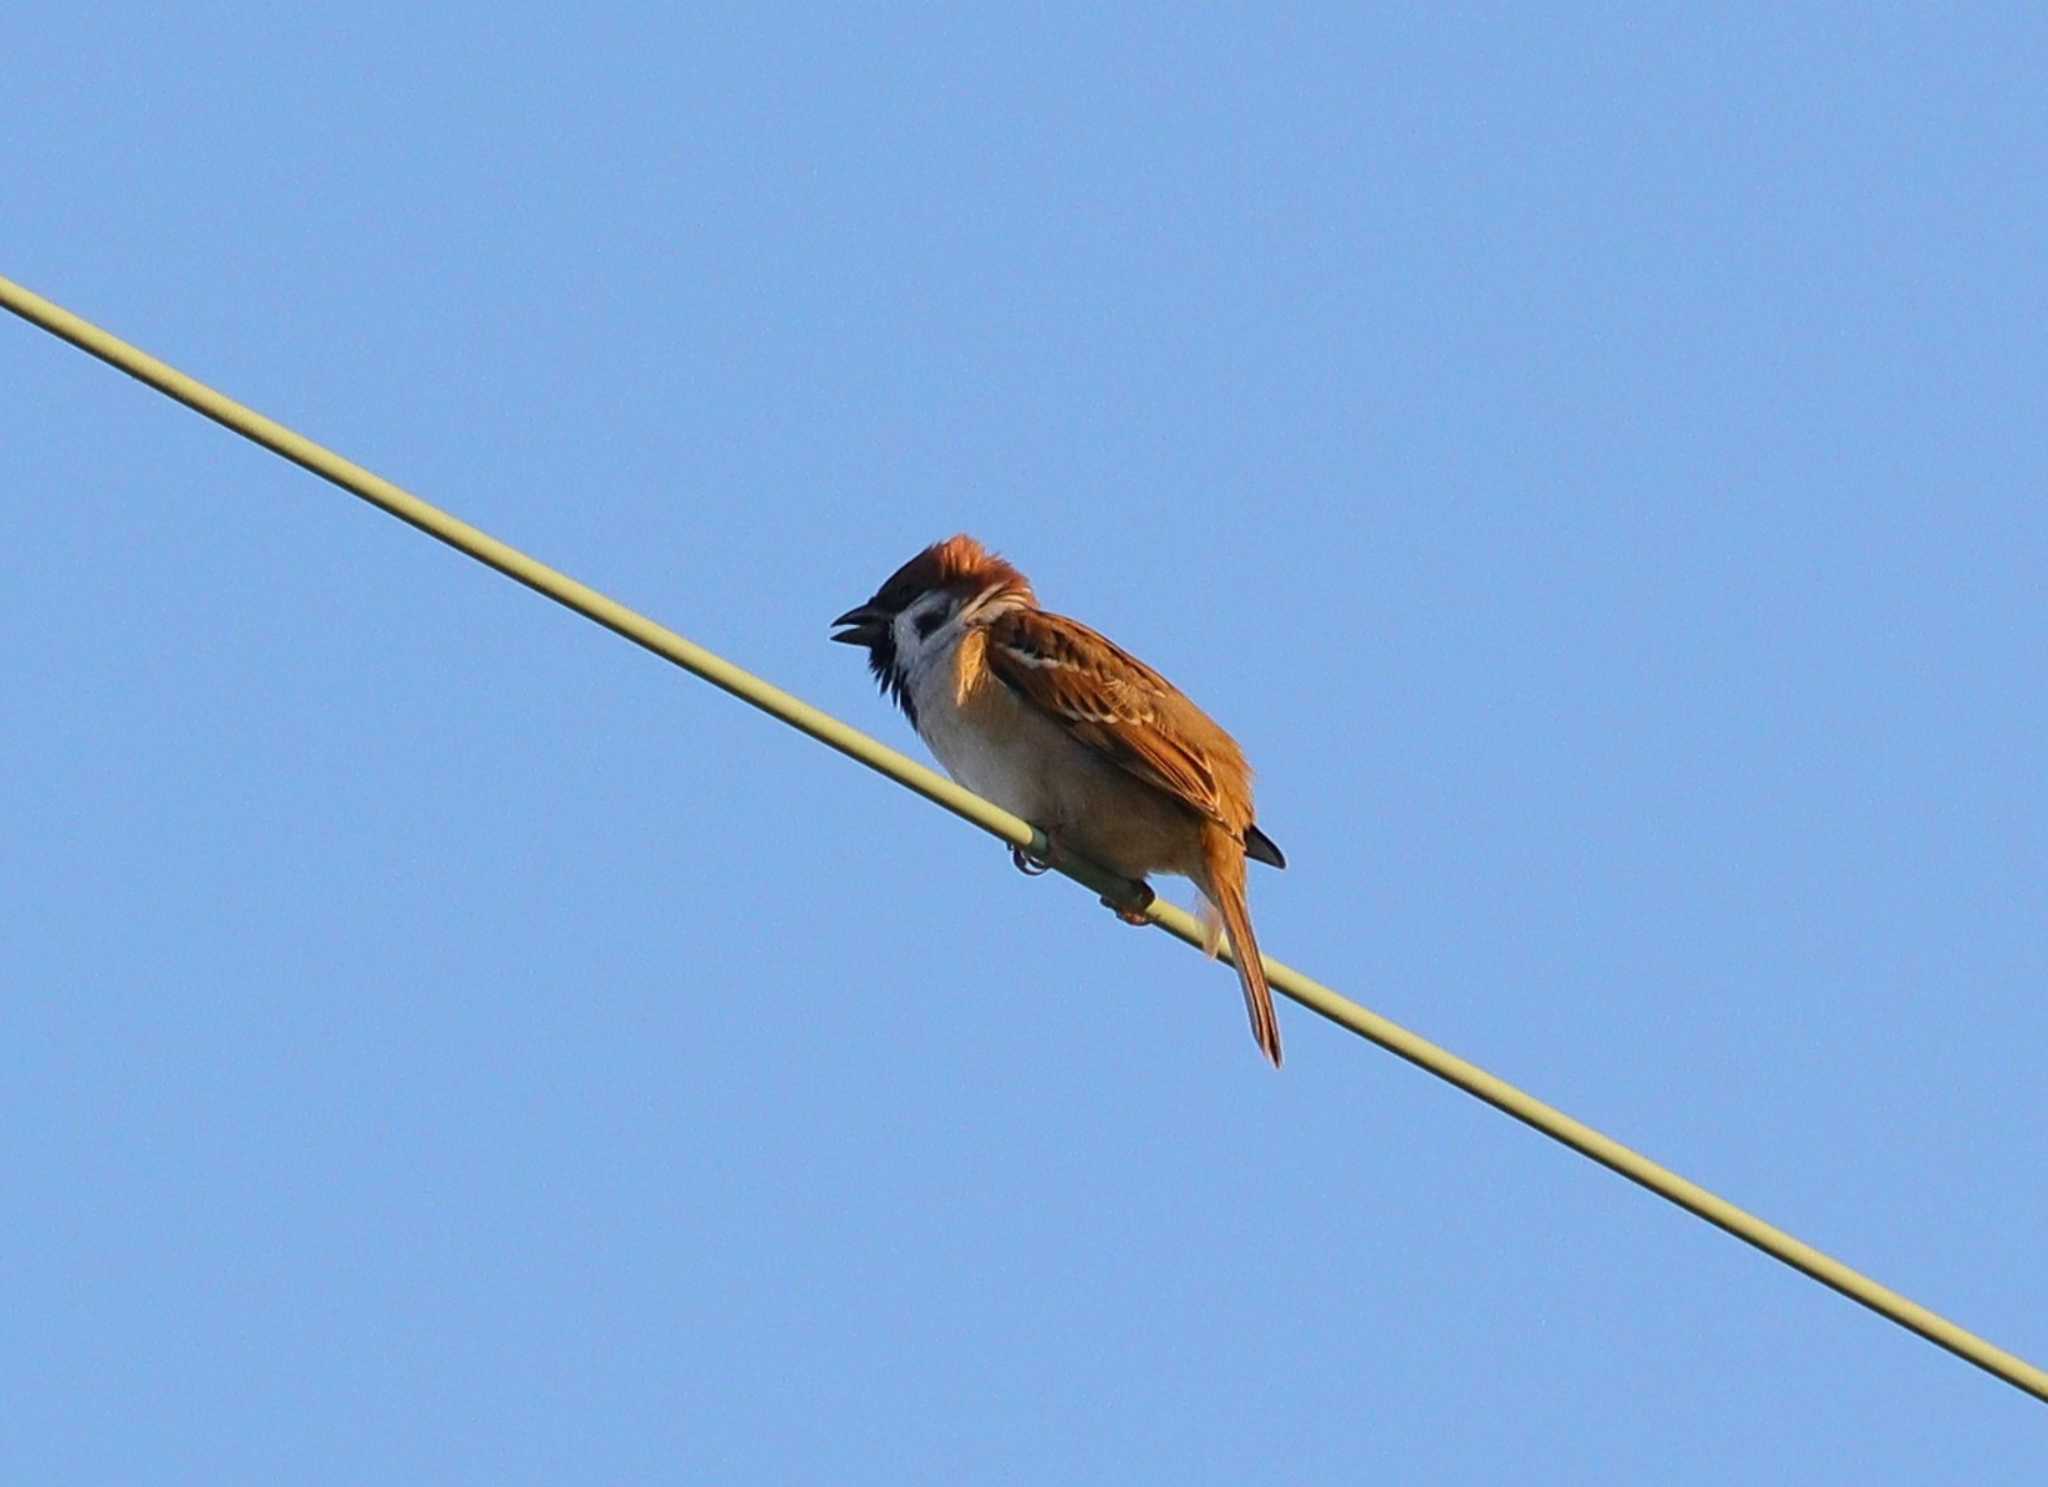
(1123,709)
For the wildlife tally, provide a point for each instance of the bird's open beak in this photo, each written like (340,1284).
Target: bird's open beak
(868,626)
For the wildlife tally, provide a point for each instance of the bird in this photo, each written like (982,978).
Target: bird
(1058,724)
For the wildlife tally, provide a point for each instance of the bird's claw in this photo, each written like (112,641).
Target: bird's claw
(1133,915)
(1026,864)
(1133,912)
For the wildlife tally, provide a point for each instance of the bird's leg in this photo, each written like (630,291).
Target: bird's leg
(1033,866)
(1133,913)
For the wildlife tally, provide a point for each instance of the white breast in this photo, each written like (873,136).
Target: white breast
(1009,752)
(1002,767)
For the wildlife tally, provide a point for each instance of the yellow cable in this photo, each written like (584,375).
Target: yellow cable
(1312,994)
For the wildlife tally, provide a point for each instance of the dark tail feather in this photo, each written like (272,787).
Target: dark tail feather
(1225,888)
(1262,848)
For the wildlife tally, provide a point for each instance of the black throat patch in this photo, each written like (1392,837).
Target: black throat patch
(889,676)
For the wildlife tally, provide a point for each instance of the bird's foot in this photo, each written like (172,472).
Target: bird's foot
(1133,913)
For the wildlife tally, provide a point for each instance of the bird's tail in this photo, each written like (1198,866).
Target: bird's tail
(1223,860)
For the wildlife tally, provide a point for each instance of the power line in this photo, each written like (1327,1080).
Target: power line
(999,823)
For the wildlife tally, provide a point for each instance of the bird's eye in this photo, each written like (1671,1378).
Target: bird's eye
(927,622)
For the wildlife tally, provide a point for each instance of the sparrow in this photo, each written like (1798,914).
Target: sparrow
(1059,725)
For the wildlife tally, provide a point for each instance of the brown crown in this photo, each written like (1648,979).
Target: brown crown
(958,562)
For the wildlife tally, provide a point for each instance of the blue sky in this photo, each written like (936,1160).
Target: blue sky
(1592,460)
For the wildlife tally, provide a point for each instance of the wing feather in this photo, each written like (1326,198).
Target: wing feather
(1117,705)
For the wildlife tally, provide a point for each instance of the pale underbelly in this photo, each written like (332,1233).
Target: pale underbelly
(1071,792)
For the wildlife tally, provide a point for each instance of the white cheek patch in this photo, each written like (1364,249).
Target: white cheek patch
(910,641)
(916,653)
